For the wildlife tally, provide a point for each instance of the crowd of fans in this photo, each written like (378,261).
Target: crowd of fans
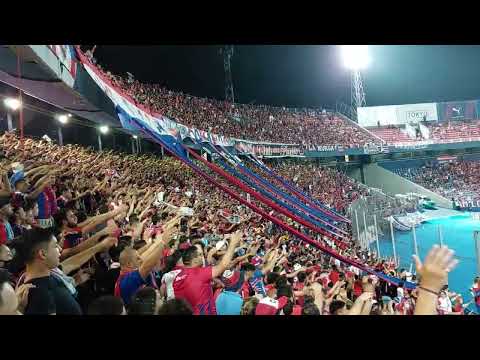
(306,127)
(455,180)
(109,233)
(330,186)
(455,130)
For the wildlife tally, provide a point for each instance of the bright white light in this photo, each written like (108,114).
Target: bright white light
(135,136)
(69,115)
(355,57)
(12,103)
(63,119)
(103,129)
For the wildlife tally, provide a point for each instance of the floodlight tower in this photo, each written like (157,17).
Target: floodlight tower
(356,59)
(227,51)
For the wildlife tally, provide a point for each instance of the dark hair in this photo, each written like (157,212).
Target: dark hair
(172,260)
(4,279)
(281,281)
(310,309)
(139,244)
(115,251)
(30,242)
(288,308)
(133,219)
(175,307)
(61,216)
(155,219)
(272,277)
(106,305)
(336,305)
(285,290)
(29,205)
(302,275)
(189,254)
(248,267)
(143,302)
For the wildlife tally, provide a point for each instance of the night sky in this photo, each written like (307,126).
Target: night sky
(304,75)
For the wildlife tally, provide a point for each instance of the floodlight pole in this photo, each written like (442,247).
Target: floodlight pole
(60,135)
(9,121)
(357,92)
(227,51)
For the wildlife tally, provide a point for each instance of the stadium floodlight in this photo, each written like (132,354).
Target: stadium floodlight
(104,129)
(355,57)
(12,103)
(63,119)
(135,136)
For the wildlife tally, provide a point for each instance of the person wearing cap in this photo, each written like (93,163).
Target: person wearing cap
(41,193)
(270,305)
(21,187)
(6,231)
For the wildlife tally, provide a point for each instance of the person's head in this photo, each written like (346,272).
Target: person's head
(191,257)
(249,306)
(146,301)
(6,209)
(175,307)
(272,277)
(67,194)
(8,298)
(129,258)
(19,182)
(39,247)
(302,275)
(107,305)
(66,218)
(200,247)
(310,308)
(285,290)
(338,307)
(5,254)
(19,215)
(248,270)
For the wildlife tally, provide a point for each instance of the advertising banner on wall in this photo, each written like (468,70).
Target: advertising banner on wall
(267,149)
(414,113)
(457,110)
(375,115)
(396,114)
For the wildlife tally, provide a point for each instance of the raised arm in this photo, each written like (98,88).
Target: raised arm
(218,269)
(91,223)
(40,186)
(433,274)
(84,245)
(75,262)
(154,253)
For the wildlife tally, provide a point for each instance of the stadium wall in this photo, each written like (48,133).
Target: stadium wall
(378,177)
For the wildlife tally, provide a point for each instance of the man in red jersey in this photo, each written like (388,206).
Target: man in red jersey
(193,282)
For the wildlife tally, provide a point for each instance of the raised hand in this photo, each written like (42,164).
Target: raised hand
(434,271)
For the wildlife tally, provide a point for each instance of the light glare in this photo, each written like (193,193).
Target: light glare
(63,119)
(355,57)
(103,129)
(12,103)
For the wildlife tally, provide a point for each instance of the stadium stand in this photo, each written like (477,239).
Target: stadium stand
(456,180)
(84,232)
(247,122)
